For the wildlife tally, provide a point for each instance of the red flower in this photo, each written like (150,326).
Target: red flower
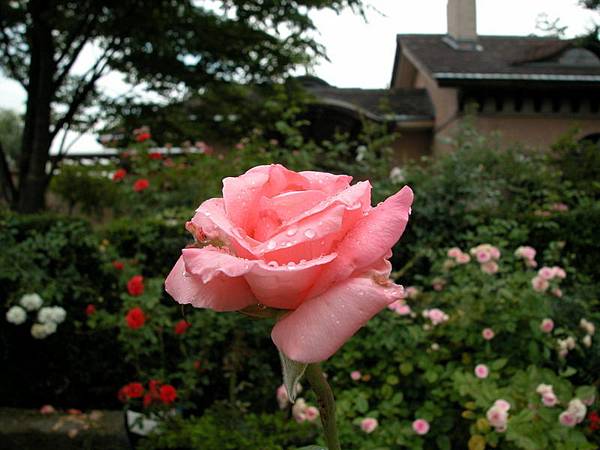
(154,155)
(594,419)
(135,318)
(147,400)
(118,265)
(119,174)
(141,137)
(135,286)
(90,309)
(168,394)
(182,326)
(141,185)
(131,390)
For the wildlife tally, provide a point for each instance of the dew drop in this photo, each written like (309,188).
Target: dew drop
(409,210)
(271,245)
(291,231)
(309,233)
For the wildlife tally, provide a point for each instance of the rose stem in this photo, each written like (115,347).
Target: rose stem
(317,380)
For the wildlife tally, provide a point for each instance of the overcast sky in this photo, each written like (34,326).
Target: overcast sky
(361,53)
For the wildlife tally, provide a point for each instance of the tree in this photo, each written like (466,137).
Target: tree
(170,45)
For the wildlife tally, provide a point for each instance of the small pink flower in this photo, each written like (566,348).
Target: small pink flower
(557,292)
(311,413)
(483,256)
(490,267)
(502,404)
(488,334)
(438,284)
(539,284)
(549,399)
(368,424)
(436,316)
(559,272)
(497,417)
(481,371)
(547,325)
(420,426)
(454,252)
(494,253)
(463,258)
(299,410)
(47,409)
(567,419)
(411,292)
(403,310)
(355,375)
(282,397)
(547,273)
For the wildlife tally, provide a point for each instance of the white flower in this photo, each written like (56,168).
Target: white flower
(361,152)
(543,389)
(587,326)
(31,302)
(16,315)
(52,314)
(397,175)
(299,410)
(587,340)
(578,409)
(50,328)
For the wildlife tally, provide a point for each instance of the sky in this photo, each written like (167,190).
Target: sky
(361,52)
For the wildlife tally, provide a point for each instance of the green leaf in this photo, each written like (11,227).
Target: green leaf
(312,447)
(569,371)
(292,373)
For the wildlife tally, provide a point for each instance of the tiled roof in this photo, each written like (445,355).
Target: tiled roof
(379,104)
(503,56)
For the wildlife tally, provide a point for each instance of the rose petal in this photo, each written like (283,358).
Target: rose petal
(321,325)
(277,286)
(368,241)
(326,182)
(220,294)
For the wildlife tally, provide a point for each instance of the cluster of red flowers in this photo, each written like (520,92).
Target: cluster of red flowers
(135,318)
(154,155)
(594,419)
(156,393)
(135,286)
(141,137)
(118,265)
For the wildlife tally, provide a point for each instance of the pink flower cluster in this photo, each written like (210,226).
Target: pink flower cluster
(412,292)
(497,415)
(564,345)
(282,396)
(368,424)
(574,414)
(486,255)
(301,411)
(437,316)
(546,392)
(400,308)
(527,254)
(458,256)
(355,375)
(541,282)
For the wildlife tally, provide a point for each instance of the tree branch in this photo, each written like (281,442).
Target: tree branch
(12,67)
(83,91)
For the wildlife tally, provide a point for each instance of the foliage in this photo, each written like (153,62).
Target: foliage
(11,130)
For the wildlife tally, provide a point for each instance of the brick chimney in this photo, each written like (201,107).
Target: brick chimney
(462,24)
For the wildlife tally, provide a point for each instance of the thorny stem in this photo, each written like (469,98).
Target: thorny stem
(319,384)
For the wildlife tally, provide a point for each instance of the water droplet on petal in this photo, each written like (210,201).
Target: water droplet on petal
(271,245)
(409,210)
(309,233)
(291,265)
(302,261)
(292,231)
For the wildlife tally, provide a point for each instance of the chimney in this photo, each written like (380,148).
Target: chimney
(462,24)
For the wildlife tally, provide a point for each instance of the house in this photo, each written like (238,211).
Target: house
(530,89)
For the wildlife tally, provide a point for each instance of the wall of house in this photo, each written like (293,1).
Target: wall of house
(411,145)
(538,132)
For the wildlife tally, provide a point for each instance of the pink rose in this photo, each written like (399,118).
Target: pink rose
(488,334)
(490,267)
(547,325)
(311,413)
(483,256)
(420,426)
(282,397)
(549,399)
(539,284)
(463,258)
(567,419)
(547,273)
(454,252)
(481,371)
(559,272)
(305,242)
(368,424)
(411,292)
